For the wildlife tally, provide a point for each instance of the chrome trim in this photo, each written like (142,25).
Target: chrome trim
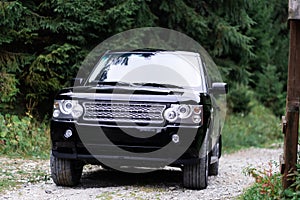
(105,111)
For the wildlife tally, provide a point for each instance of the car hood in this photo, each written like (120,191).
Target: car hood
(122,93)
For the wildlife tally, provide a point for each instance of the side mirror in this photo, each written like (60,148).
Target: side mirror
(219,88)
(77,81)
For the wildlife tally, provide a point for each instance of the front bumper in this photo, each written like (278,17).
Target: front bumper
(132,145)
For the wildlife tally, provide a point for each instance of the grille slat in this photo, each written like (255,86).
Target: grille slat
(123,112)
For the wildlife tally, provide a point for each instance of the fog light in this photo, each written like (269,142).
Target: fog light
(175,138)
(56,113)
(68,133)
(196,119)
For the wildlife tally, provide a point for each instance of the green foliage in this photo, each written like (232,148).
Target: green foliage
(269,90)
(269,42)
(42,68)
(259,128)
(8,88)
(23,136)
(44,42)
(238,99)
(293,192)
(267,184)
(271,38)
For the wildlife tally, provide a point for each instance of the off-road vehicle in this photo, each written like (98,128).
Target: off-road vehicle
(143,108)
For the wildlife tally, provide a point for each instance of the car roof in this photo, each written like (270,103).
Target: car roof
(143,51)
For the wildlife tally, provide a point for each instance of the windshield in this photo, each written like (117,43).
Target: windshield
(165,68)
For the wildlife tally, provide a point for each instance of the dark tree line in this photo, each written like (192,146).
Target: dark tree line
(43,42)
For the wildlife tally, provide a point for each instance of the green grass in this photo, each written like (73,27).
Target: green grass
(7,184)
(259,128)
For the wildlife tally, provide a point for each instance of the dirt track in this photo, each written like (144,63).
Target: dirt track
(98,183)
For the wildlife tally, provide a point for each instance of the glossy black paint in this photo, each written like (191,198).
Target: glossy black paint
(73,148)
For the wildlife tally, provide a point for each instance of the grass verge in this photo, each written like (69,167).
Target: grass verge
(14,172)
(259,128)
(24,137)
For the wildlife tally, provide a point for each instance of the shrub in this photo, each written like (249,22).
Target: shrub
(267,184)
(8,90)
(294,191)
(257,129)
(23,136)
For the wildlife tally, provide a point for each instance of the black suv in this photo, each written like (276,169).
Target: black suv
(139,109)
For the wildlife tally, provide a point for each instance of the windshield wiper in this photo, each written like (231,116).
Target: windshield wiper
(161,85)
(113,83)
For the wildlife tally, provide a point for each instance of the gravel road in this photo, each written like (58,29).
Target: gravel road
(98,183)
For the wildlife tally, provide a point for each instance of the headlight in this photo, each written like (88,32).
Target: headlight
(67,109)
(170,115)
(77,110)
(184,113)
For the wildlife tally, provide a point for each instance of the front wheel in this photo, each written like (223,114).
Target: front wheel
(65,172)
(195,175)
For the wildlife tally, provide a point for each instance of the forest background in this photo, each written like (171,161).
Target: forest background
(43,42)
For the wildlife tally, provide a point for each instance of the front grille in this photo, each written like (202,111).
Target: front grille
(123,112)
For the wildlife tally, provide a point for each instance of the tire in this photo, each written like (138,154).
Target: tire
(195,175)
(65,172)
(215,155)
